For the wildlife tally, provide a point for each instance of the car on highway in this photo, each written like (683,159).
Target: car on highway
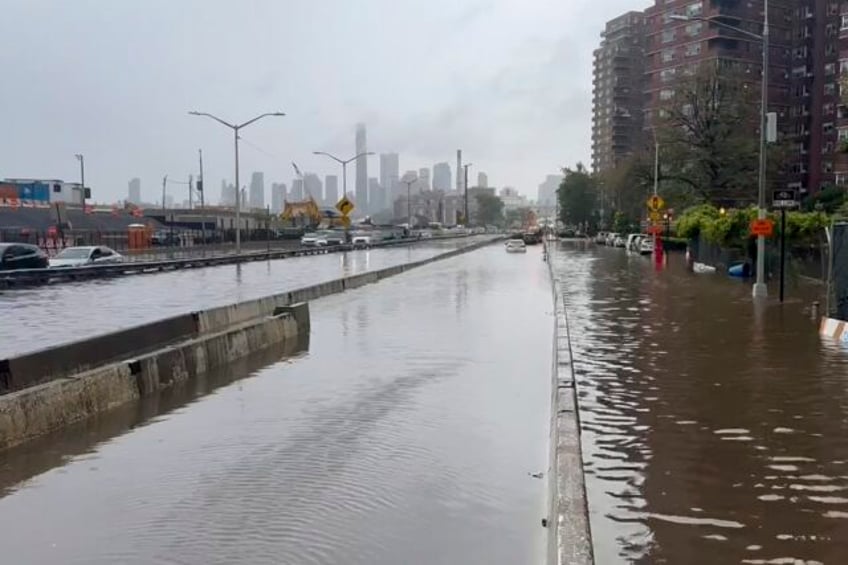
(516,246)
(313,239)
(15,256)
(85,255)
(361,240)
(334,237)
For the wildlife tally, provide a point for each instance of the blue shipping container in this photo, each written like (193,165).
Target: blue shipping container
(34,191)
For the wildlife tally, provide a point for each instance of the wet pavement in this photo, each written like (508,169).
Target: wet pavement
(713,431)
(40,317)
(406,434)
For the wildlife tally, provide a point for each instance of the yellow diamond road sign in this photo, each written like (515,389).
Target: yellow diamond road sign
(345,206)
(656,203)
(654,215)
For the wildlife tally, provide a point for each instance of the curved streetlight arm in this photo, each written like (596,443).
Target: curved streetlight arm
(333,157)
(259,117)
(719,23)
(216,118)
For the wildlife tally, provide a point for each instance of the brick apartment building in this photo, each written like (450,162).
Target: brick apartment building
(808,52)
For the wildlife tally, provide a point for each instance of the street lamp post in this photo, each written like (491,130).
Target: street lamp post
(465,185)
(236,128)
(343,163)
(81,158)
(408,184)
(760,289)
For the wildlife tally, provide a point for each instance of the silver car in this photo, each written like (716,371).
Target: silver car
(87,255)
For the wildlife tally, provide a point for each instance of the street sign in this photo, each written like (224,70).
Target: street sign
(654,215)
(344,206)
(656,203)
(762,227)
(654,230)
(345,220)
(784,198)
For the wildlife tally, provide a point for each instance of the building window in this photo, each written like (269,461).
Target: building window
(695,9)
(830,49)
(829,109)
(827,128)
(693,49)
(827,166)
(666,94)
(668,36)
(830,89)
(694,29)
(667,55)
(844,22)
(841,179)
(843,65)
(842,134)
(667,75)
(830,69)
(827,148)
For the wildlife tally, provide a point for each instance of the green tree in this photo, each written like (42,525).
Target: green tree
(489,210)
(578,197)
(517,217)
(708,137)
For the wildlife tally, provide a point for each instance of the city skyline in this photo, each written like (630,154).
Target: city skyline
(550,49)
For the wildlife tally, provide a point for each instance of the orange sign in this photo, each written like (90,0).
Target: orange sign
(762,227)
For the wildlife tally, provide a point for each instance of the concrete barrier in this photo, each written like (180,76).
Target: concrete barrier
(34,411)
(56,362)
(569,535)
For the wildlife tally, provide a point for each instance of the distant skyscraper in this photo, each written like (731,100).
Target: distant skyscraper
(134,193)
(257,190)
(547,191)
(331,190)
(376,195)
(390,175)
(459,172)
(361,197)
(278,197)
(442,177)
(228,194)
(424,179)
(482,180)
(312,187)
(297,190)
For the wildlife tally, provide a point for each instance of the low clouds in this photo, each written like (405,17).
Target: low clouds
(507,81)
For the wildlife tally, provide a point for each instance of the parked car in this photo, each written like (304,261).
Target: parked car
(646,245)
(87,255)
(610,239)
(516,246)
(618,241)
(15,256)
(633,241)
(313,240)
(601,237)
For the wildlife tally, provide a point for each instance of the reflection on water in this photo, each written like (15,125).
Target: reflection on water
(36,318)
(405,435)
(714,431)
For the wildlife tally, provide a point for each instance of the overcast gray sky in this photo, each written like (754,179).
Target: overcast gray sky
(508,81)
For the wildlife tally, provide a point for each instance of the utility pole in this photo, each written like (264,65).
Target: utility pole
(408,184)
(465,183)
(202,201)
(81,158)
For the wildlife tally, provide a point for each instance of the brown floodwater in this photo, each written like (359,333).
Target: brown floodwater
(714,431)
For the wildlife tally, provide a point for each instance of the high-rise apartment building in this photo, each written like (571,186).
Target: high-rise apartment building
(331,190)
(390,174)
(228,194)
(482,180)
(546,197)
(361,195)
(617,91)
(376,195)
(442,177)
(134,191)
(257,191)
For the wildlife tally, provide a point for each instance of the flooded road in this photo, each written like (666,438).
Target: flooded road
(713,432)
(404,435)
(40,317)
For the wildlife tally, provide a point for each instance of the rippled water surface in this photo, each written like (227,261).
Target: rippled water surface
(713,432)
(40,317)
(404,435)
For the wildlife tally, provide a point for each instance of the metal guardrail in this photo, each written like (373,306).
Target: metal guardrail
(31,277)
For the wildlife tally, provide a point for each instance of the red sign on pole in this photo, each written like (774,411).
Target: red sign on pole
(762,227)
(654,230)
